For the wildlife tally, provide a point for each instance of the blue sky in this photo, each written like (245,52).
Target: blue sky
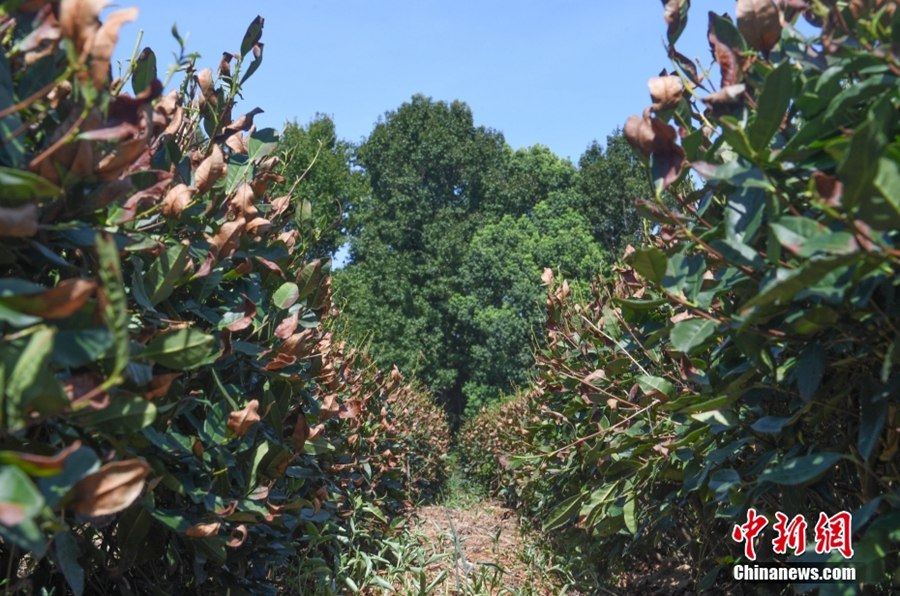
(559,73)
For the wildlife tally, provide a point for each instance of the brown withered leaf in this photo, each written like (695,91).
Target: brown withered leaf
(61,301)
(247,319)
(59,93)
(43,40)
(227,238)
(652,136)
(82,387)
(547,276)
(204,80)
(104,44)
(110,192)
(70,159)
(79,21)
(728,60)
(237,143)
(210,170)
(240,421)
(258,226)
(729,95)
(245,267)
(759,22)
(289,238)
(350,409)
(672,14)
(687,66)
(168,114)
(111,489)
(597,374)
(287,326)
(126,154)
(301,432)
(176,200)
(260,493)
(329,407)
(227,510)
(149,195)
(270,265)
(203,530)
(242,123)
(665,91)
(160,385)
(830,188)
(242,201)
(19,222)
(225,64)
(238,536)
(279,206)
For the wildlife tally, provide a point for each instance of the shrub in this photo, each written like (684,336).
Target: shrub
(747,358)
(165,422)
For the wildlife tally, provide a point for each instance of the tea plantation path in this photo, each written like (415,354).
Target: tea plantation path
(471,546)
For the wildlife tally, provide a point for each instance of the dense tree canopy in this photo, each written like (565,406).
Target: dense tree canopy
(448,229)
(318,167)
(448,247)
(609,181)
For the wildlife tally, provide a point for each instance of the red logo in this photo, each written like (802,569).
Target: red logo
(831,533)
(747,532)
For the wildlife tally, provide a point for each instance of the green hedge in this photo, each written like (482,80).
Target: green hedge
(168,418)
(748,356)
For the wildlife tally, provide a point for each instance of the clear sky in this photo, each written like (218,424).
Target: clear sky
(555,72)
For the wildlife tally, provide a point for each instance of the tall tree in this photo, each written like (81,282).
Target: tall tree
(501,309)
(327,184)
(447,248)
(429,168)
(609,181)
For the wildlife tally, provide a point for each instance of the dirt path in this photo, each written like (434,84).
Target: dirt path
(480,548)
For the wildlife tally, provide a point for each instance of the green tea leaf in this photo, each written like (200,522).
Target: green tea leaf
(800,470)
(861,161)
(628,512)
(19,497)
(786,283)
(286,296)
(252,35)
(650,263)
(772,104)
(31,363)
(771,424)
(650,385)
(835,243)
(144,71)
(123,415)
(563,513)
(873,411)
(165,272)
(77,347)
(115,314)
(810,369)
(689,334)
(21,186)
(182,349)
(65,555)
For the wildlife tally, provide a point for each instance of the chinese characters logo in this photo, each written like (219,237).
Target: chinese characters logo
(831,533)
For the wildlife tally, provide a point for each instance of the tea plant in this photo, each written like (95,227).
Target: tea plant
(171,418)
(748,356)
